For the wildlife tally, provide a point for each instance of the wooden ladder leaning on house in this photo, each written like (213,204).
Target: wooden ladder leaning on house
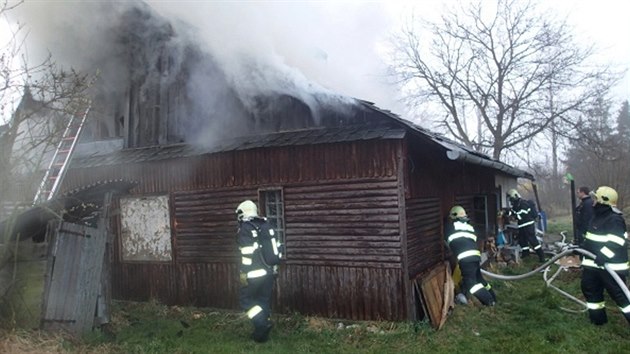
(61,157)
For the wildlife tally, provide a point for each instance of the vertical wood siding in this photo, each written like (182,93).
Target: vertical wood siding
(73,278)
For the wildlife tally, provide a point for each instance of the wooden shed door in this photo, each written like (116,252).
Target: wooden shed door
(73,277)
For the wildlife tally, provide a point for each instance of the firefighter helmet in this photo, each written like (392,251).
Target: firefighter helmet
(513,194)
(606,195)
(457,212)
(246,210)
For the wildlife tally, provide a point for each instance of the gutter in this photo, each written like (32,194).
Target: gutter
(456,154)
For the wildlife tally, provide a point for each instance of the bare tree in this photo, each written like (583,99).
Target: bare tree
(501,62)
(601,155)
(49,94)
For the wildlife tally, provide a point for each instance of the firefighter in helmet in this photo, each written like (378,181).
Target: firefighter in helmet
(260,255)
(462,241)
(607,238)
(525,213)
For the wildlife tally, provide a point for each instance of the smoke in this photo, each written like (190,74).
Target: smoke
(323,46)
(228,54)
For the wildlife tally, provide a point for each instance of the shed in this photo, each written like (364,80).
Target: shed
(56,276)
(359,207)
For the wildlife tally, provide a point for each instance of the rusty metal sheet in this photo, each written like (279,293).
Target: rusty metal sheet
(145,229)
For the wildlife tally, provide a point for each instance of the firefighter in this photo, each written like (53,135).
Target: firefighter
(607,239)
(462,241)
(260,256)
(525,213)
(583,214)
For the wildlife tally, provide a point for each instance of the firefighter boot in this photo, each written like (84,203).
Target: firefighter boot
(598,317)
(541,255)
(262,327)
(484,297)
(494,296)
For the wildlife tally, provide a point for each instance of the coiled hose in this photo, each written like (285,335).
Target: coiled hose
(545,268)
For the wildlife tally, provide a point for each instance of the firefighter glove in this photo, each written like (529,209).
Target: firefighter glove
(600,260)
(243,279)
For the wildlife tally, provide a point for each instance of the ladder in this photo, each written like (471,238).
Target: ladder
(61,158)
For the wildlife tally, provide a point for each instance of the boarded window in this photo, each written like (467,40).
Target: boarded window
(146,229)
(273,208)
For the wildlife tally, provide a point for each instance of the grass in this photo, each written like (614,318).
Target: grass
(527,319)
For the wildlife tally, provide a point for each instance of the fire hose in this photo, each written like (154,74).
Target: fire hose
(545,268)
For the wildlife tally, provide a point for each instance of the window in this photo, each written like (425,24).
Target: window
(480,214)
(272,204)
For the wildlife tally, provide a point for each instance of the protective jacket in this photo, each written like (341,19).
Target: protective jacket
(259,246)
(607,239)
(260,254)
(525,212)
(462,241)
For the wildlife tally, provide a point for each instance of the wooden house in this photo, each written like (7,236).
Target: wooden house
(359,206)
(357,194)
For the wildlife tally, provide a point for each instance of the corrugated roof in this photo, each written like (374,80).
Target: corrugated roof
(311,136)
(392,127)
(454,150)
(73,204)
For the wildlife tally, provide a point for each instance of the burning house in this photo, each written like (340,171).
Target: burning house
(356,193)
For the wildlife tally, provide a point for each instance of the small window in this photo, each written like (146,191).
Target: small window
(272,204)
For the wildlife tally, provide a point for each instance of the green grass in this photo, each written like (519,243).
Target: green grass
(527,319)
(560,223)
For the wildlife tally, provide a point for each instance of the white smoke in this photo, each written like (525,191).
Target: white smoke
(325,46)
(296,48)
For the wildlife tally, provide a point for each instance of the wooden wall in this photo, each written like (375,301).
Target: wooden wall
(342,220)
(344,256)
(425,245)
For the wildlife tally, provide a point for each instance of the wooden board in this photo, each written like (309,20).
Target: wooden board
(437,290)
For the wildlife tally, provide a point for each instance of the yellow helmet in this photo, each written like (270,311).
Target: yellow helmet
(513,194)
(457,212)
(606,195)
(246,210)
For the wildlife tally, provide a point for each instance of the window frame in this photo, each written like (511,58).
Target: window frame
(279,219)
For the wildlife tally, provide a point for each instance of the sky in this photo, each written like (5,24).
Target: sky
(338,45)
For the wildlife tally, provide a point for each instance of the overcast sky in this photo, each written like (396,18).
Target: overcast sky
(338,44)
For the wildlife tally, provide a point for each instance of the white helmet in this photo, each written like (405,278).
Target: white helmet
(513,194)
(246,210)
(457,212)
(606,195)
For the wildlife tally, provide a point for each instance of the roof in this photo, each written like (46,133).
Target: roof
(392,127)
(454,150)
(319,135)
(74,205)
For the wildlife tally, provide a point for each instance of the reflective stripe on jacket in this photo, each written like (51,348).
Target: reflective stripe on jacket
(462,241)
(251,247)
(607,239)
